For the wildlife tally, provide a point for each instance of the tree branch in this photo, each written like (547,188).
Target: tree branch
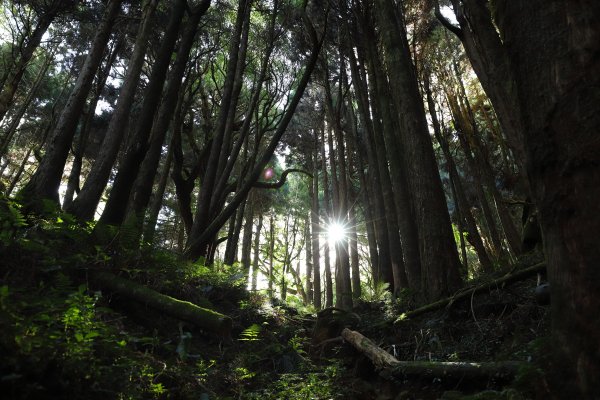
(447,24)
(282,180)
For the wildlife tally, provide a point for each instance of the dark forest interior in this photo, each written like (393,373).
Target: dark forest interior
(299,199)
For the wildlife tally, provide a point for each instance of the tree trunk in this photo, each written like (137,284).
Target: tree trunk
(45,182)
(247,240)
(314,221)
(32,92)
(481,157)
(15,72)
(231,80)
(200,232)
(489,59)
(256,252)
(231,249)
(438,253)
(388,148)
(309,260)
(554,48)
(116,205)
(157,196)
(381,359)
(84,206)
(81,142)
(327,213)
(271,255)
(172,103)
(461,199)
(201,317)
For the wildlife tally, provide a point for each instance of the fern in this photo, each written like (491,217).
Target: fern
(251,333)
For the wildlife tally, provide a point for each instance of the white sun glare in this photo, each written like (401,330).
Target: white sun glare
(336,232)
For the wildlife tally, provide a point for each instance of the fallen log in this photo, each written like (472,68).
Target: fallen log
(203,318)
(502,281)
(389,365)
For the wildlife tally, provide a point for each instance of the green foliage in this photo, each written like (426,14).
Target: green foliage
(378,292)
(80,324)
(11,221)
(251,333)
(301,386)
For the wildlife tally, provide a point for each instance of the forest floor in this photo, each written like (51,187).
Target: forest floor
(61,338)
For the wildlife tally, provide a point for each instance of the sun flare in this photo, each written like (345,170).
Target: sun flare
(336,232)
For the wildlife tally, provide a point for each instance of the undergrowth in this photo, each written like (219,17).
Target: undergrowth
(62,338)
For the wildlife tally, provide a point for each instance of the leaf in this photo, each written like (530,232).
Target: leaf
(251,333)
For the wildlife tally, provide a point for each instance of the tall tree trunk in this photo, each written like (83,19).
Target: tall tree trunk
(438,253)
(88,198)
(327,213)
(314,220)
(231,249)
(19,173)
(81,142)
(354,260)
(554,51)
(205,196)
(387,143)
(270,278)
(457,189)
(45,182)
(15,71)
(256,257)
(488,215)
(157,196)
(480,154)
(308,261)
(16,120)
(115,208)
(196,247)
(247,240)
(172,103)
(489,59)
(340,196)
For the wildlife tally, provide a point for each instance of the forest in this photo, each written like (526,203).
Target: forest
(299,199)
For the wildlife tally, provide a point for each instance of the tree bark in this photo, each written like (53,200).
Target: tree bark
(81,142)
(314,220)
(84,206)
(116,205)
(256,256)
(461,199)
(438,253)
(438,369)
(385,133)
(483,288)
(15,71)
(45,182)
(308,261)
(247,239)
(196,246)
(32,92)
(554,48)
(201,317)
(171,103)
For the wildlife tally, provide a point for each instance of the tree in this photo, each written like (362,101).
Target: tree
(438,254)
(45,182)
(553,50)
(87,199)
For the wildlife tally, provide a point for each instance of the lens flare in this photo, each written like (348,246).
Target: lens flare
(268,173)
(336,232)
